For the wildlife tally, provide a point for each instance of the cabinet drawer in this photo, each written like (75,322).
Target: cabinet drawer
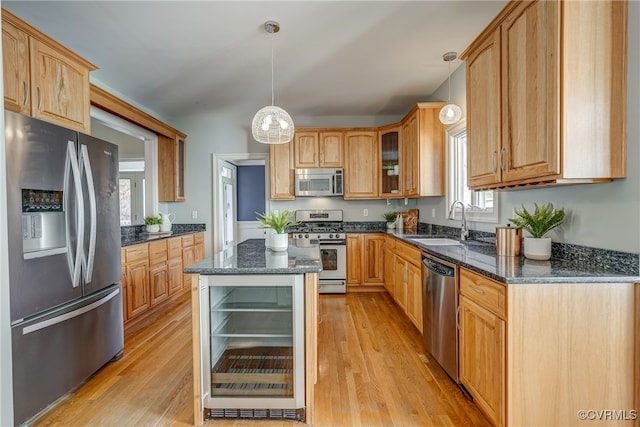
(187,240)
(408,252)
(136,252)
(174,248)
(157,252)
(198,238)
(484,291)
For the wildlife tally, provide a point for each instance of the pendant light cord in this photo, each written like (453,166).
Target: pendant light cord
(272,102)
(448,78)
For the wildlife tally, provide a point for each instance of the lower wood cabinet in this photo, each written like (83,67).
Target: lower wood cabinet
(403,277)
(152,272)
(365,259)
(482,342)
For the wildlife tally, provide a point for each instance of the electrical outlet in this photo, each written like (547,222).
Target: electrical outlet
(433,212)
(365,212)
(194,214)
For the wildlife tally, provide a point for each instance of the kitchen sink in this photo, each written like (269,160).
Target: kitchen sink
(436,241)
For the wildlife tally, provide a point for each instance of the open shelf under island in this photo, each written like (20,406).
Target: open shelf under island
(255,317)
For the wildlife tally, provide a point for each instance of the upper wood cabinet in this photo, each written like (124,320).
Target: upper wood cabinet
(318,149)
(42,78)
(390,161)
(281,171)
(171,168)
(361,165)
(558,70)
(423,151)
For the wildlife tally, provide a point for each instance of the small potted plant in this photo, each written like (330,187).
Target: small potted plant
(543,219)
(278,221)
(390,217)
(153,223)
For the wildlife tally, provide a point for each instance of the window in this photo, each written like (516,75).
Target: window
(132,198)
(479,205)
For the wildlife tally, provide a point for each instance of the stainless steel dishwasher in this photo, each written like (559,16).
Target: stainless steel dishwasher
(440,305)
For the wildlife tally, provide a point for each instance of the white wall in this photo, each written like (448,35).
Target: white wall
(599,215)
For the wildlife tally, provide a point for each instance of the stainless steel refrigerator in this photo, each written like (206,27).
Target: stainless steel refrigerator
(64,259)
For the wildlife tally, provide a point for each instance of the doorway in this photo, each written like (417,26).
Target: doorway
(228,229)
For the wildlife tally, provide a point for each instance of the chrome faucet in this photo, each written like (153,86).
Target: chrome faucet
(464,231)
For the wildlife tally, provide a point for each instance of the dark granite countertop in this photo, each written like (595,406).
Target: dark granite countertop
(252,257)
(481,257)
(134,235)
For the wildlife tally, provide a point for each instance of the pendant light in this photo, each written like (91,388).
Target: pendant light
(271,124)
(450,113)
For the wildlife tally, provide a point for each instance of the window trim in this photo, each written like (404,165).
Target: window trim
(471,213)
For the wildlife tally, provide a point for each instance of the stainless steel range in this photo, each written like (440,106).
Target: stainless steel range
(326,227)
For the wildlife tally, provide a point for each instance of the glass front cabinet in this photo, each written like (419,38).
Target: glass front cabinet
(252,343)
(390,174)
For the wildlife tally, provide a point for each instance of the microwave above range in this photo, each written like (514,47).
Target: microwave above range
(319,182)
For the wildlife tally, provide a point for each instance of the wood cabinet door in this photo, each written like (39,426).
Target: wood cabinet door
(373,259)
(361,165)
(410,155)
(15,63)
(331,149)
(137,288)
(171,157)
(400,282)
(354,259)
(483,113)
(281,171)
(158,283)
(531,91)
(414,295)
(389,262)
(188,258)
(482,358)
(390,162)
(174,270)
(306,150)
(59,88)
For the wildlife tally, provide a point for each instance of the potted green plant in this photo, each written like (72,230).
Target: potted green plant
(278,221)
(390,217)
(153,223)
(543,219)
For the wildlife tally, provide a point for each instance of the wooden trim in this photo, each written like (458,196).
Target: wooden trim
(114,105)
(312,316)
(198,410)
(636,357)
(45,39)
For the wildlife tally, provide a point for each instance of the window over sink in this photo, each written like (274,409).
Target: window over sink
(481,206)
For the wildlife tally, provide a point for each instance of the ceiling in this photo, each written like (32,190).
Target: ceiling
(331,58)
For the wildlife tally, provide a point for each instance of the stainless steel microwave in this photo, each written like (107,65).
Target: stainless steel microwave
(319,182)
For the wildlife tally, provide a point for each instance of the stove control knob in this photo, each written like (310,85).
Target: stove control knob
(306,236)
(300,236)
(337,236)
(331,236)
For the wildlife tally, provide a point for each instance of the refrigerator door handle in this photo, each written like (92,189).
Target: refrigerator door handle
(72,167)
(88,258)
(70,315)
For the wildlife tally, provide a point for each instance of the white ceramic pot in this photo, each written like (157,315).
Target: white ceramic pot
(153,228)
(391,225)
(278,242)
(537,248)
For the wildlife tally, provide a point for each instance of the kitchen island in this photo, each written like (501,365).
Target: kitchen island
(254,325)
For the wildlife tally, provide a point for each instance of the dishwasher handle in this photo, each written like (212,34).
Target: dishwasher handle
(438,268)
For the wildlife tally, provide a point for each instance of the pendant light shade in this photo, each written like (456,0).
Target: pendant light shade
(450,113)
(271,124)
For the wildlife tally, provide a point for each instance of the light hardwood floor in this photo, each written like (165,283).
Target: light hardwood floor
(372,372)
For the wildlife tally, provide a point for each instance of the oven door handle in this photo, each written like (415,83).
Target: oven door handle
(325,243)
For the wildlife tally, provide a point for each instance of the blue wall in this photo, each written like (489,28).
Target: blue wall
(250,192)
